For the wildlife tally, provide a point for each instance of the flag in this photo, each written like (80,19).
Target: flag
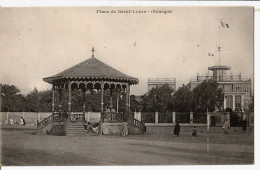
(211,54)
(224,25)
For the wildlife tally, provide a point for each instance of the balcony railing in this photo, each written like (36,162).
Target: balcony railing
(152,80)
(227,79)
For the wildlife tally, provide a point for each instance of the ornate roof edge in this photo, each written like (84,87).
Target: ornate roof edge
(131,80)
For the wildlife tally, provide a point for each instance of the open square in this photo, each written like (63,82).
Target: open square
(157,147)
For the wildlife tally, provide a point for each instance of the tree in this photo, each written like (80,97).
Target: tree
(158,99)
(11,98)
(207,95)
(183,99)
(135,104)
(33,101)
(45,101)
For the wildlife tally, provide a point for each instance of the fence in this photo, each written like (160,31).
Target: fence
(200,117)
(148,117)
(182,117)
(165,117)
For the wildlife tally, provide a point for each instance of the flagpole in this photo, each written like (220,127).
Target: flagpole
(219,43)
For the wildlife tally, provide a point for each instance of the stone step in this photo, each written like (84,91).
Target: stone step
(76,125)
(76,128)
(75,133)
(82,130)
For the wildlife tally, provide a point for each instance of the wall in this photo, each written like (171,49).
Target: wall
(31,117)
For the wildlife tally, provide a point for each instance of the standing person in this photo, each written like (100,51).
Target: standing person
(11,122)
(244,125)
(226,126)
(177,129)
(22,121)
(194,131)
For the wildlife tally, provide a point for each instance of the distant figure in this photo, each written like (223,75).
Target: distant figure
(22,121)
(226,126)
(107,110)
(177,129)
(11,122)
(124,130)
(72,117)
(65,114)
(90,128)
(194,131)
(96,129)
(113,110)
(244,125)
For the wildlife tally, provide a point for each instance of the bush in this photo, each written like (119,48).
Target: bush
(235,120)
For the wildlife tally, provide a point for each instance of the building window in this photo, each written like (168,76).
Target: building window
(229,102)
(238,101)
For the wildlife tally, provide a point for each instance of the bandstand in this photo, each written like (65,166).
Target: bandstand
(86,76)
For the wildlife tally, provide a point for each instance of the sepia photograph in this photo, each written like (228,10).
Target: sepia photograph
(90,86)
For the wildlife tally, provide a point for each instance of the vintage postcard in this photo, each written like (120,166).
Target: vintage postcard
(127,86)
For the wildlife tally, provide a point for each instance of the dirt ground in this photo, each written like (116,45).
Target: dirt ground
(157,147)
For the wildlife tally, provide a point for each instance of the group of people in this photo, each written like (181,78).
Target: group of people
(92,128)
(22,121)
(225,127)
(177,130)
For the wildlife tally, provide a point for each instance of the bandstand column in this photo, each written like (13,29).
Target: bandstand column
(69,100)
(102,96)
(60,99)
(127,98)
(117,101)
(84,104)
(53,98)
(129,103)
(102,108)
(111,98)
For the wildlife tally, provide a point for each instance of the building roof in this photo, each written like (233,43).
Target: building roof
(219,67)
(91,69)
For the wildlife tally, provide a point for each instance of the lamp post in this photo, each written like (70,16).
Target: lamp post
(156,112)
(208,116)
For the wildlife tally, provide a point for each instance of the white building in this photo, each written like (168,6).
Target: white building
(237,90)
(159,82)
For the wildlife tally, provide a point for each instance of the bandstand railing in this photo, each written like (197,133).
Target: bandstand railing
(57,117)
(114,117)
(75,117)
(131,120)
(44,122)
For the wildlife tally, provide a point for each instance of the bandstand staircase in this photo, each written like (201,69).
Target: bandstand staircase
(52,125)
(133,124)
(74,128)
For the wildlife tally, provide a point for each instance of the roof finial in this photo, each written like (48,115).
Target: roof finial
(93,51)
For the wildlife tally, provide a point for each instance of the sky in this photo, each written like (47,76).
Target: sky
(40,42)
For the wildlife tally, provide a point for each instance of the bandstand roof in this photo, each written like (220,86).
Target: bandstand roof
(92,69)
